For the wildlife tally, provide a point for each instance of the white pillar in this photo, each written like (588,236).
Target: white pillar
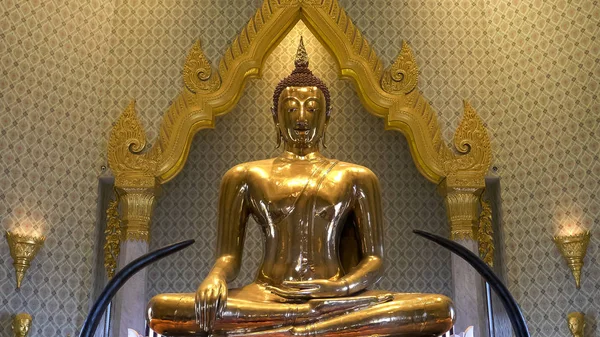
(137,203)
(130,303)
(468,294)
(462,207)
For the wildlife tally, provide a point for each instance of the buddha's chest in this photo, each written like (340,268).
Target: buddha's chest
(301,194)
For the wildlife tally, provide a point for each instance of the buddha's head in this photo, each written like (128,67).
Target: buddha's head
(576,322)
(301,105)
(21,324)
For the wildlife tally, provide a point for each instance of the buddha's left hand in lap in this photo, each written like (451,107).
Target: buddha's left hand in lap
(320,288)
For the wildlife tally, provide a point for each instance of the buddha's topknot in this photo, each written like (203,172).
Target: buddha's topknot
(301,76)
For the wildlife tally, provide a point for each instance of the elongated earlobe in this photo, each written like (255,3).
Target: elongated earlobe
(277,131)
(323,137)
(277,136)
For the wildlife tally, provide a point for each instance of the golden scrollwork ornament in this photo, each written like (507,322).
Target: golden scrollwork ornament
(197,72)
(472,146)
(127,149)
(113,238)
(402,76)
(486,234)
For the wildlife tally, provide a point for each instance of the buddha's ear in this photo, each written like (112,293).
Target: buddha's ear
(327,116)
(274,113)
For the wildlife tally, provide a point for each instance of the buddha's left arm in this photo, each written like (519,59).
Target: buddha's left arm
(369,224)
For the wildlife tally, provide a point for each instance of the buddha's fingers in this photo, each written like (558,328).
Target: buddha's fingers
(332,305)
(202,308)
(222,300)
(292,293)
(199,310)
(204,303)
(211,310)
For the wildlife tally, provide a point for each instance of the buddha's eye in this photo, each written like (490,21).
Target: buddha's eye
(291,106)
(312,106)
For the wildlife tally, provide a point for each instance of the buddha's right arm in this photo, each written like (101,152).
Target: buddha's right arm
(211,295)
(232,218)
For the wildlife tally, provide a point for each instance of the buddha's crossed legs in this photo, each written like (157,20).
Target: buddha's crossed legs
(252,310)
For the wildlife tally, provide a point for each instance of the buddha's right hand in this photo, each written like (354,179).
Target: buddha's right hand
(211,298)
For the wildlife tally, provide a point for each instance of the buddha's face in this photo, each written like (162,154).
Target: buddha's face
(576,323)
(301,115)
(21,325)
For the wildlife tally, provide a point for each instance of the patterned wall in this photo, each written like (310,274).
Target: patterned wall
(545,123)
(70,67)
(188,208)
(52,144)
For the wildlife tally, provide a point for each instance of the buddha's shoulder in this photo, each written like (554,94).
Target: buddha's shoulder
(243,169)
(355,170)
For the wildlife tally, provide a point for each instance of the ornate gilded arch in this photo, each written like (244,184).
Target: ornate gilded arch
(390,93)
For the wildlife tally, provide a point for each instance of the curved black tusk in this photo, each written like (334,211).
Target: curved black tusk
(93,319)
(512,308)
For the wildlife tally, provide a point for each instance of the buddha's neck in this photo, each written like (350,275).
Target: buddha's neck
(301,153)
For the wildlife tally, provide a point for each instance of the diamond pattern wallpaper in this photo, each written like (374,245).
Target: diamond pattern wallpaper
(529,67)
(53,124)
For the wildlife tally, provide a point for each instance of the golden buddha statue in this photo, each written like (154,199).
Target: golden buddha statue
(322,223)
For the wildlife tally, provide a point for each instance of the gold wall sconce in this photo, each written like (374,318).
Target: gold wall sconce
(23,249)
(573,248)
(21,324)
(576,322)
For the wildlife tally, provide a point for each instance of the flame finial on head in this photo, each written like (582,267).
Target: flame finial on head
(301,55)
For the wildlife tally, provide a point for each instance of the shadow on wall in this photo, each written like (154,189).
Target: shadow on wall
(591,320)
(5,320)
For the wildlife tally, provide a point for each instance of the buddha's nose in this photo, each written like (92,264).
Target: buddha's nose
(302,124)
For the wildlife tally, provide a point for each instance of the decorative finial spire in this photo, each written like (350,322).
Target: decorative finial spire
(301,55)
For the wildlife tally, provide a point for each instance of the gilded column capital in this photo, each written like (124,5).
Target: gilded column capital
(462,208)
(137,203)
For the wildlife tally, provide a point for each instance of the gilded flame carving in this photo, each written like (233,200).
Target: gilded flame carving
(472,144)
(402,75)
(126,145)
(486,234)
(113,238)
(197,72)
